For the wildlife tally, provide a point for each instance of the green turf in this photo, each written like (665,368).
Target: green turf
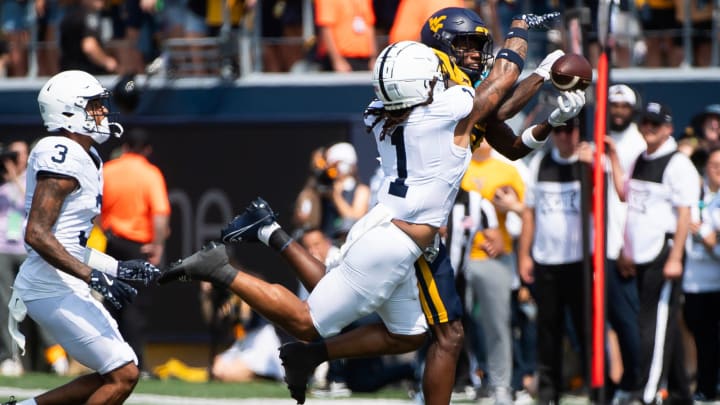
(260,389)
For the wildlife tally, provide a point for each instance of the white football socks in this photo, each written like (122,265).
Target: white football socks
(30,401)
(265,232)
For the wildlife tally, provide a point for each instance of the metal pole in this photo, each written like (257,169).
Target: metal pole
(687,36)
(33,42)
(715,55)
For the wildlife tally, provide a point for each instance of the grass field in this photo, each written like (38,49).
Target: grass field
(175,392)
(153,392)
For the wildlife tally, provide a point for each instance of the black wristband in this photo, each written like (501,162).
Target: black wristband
(512,56)
(279,240)
(517,32)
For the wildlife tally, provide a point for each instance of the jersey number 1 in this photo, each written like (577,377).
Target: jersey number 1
(398,187)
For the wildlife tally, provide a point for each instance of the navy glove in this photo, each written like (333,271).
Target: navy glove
(137,270)
(534,21)
(115,291)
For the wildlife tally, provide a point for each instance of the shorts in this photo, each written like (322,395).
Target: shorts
(439,298)
(375,275)
(87,332)
(15,16)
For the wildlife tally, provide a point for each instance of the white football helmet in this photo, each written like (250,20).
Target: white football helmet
(403,74)
(62,102)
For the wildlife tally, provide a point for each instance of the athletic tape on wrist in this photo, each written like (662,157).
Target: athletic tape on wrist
(517,32)
(100,261)
(279,240)
(512,56)
(529,140)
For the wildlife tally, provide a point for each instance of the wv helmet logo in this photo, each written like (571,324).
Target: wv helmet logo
(436,23)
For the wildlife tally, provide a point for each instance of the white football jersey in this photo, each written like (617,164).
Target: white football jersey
(421,164)
(61,155)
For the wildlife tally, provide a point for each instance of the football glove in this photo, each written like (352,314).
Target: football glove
(113,290)
(538,22)
(137,270)
(569,105)
(543,68)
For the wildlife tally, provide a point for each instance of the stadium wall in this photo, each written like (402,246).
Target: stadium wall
(222,144)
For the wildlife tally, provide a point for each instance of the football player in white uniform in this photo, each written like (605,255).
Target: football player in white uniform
(422,133)
(64,193)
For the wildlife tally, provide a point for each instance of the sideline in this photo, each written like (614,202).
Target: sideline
(153,399)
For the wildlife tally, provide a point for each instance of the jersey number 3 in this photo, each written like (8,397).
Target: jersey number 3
(62,152)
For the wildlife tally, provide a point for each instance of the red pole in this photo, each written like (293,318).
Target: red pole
(597,378)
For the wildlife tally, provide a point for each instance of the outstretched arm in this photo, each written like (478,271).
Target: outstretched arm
(518,96)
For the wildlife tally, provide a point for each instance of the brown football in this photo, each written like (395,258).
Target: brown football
(571,72)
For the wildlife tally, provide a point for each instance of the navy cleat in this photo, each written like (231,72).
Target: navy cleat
(211,263)
(244,227)
(299,361)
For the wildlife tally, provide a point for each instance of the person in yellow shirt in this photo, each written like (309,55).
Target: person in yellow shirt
(490,278)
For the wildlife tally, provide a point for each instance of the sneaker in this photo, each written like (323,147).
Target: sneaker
(11,368)
(502,396)
(523,397)
(210,263)
(299,364)
(245,226)
(336,389)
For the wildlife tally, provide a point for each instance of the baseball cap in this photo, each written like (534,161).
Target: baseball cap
(712,109)
(620,93)
(656,113)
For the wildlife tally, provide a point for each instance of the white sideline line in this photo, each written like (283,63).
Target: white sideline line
(152,399)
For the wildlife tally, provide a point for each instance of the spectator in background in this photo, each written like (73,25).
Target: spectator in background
(701,281)
(550,253)
(336,197)
(4,55)
(490,274)
(622,294)
(81,46)
(13,166)
(14,18)
(660,189)
(135,218)
(254,354)
(701,18)
(346,31)
(281,34)
(661,31)
(412,14)
(49,14)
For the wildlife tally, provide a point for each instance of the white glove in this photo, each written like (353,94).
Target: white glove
(543,68)
(569,105)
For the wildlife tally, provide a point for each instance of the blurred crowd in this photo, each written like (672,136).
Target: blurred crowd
(206,37)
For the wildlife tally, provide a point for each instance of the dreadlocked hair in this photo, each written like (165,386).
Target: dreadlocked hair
(395,117)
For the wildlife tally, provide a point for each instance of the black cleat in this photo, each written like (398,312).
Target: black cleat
(244,227)
(11,401)
(299,363)
(211,263)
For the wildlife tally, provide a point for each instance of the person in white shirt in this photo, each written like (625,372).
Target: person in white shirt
(621,286)
(660,189)
(701,281)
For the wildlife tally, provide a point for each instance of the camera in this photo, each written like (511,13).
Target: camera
(325,178)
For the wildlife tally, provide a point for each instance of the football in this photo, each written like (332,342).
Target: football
(571,72)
